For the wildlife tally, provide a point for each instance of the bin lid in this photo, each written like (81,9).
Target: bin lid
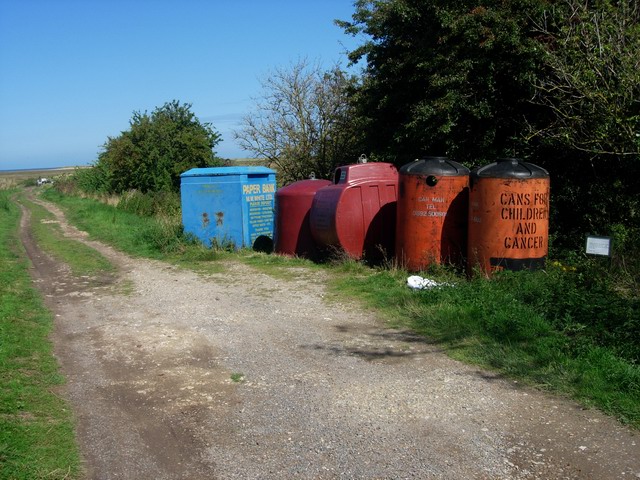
(216,171)
(440,166)
(510,168)
(365,172)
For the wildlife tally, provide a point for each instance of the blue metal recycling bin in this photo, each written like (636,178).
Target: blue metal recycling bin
(228,206)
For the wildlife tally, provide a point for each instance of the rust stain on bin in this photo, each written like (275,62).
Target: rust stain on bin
(432,212)
(205,220)
(508,217)
(219,218)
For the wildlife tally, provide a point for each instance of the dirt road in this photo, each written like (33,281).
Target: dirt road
(326,391)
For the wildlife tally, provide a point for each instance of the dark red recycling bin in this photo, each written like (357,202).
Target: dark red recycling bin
(357,213)
(292,234)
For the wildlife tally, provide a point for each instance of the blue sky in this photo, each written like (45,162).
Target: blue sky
(72,72)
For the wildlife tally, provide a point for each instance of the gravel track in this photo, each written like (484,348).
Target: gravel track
(327,390)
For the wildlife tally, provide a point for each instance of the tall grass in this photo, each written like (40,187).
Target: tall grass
(36,428)
(159,204)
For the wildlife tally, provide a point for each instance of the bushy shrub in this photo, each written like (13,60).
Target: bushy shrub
(91,180)
(157,148)
(164,235)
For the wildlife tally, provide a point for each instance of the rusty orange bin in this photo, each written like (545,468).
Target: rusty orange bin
(292,234)
(508,216)
(432,209)
(357,214)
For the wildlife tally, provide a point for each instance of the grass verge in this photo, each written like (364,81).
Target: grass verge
(36,429)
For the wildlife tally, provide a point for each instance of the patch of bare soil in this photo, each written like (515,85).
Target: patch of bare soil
(327,391)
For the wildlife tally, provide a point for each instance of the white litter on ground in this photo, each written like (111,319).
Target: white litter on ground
(418,283)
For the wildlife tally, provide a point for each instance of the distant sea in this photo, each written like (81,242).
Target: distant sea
(43,169)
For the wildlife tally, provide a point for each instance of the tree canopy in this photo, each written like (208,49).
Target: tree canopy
(441,77)
(475,80)
(157,148)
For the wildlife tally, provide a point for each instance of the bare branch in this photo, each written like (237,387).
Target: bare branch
(299,120)
(593,89)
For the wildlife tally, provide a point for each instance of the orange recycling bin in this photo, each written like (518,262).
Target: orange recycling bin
(357,213)
(508,217)
(292,235)
(432,209)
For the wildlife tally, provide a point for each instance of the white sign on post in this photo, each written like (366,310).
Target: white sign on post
(598,245)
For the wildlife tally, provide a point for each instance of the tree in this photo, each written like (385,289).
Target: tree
(157,148)
(301,122)
(591,84)
(441,77)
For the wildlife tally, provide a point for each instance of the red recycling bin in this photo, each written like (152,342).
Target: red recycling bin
(508,217)
(292,234)
(432,213)
(357,213)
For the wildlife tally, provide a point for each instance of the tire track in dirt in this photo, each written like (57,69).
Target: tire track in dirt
(135,385)
(328,392)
